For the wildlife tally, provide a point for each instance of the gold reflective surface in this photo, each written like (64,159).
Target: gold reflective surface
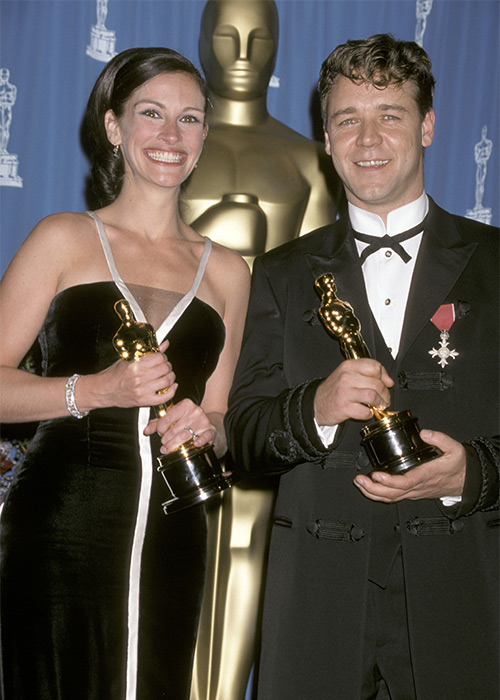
(192,474)
(134,339)
(258,184)
(392,442)
(340,321)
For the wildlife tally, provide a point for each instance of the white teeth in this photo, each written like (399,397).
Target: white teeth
(371,163)
(165,157)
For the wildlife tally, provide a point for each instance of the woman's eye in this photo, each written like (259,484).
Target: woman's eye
(190,119)
(150,113)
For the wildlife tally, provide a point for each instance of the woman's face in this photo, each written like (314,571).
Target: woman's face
(162,129)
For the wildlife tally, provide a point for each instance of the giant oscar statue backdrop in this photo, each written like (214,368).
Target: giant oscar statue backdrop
(258,184)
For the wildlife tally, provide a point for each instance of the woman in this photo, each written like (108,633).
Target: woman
(100,589)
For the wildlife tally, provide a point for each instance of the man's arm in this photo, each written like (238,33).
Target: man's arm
(271,419)
(270,423)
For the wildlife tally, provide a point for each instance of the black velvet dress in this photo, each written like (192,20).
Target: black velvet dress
(100,590)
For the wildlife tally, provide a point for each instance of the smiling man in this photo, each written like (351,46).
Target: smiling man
(380,586)
(376,139)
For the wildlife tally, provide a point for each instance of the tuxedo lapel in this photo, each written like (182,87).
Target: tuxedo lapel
(339,256)
(441,260)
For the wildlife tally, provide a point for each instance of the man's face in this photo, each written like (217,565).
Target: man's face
(376,138)
(238,46)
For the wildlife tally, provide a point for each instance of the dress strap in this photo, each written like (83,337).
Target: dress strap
(201,267)
(181,305)
(138,312)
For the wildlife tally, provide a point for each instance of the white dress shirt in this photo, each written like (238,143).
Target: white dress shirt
(387,278)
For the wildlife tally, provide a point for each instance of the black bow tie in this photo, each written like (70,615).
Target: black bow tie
(394,242)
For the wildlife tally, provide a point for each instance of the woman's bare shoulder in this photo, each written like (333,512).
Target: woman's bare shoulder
(53,246)
(230,274)
(229,258)
(63,225)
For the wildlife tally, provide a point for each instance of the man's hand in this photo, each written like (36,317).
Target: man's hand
(440,478)
(349,391)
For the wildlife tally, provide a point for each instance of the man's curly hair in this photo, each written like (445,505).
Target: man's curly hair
(380,60)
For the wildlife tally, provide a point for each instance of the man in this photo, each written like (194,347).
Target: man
(379,586)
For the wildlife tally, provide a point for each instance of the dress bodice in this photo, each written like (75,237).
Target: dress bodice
(77,336)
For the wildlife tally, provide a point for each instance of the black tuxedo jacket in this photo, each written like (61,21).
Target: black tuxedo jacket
(327,538)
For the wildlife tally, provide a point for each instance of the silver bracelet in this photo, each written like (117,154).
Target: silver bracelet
(70,397)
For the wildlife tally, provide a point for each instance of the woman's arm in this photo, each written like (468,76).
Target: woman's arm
(41,268)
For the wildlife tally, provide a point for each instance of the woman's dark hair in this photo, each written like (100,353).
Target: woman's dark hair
(123,74)
(380,60)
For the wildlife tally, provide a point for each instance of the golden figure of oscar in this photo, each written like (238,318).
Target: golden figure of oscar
(393,441)
(192,474)
(259,184)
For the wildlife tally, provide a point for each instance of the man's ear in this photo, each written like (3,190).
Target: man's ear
(428,128)
(327,144)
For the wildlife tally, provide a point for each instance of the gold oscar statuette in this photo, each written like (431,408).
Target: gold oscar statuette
(192,474)
(392,442)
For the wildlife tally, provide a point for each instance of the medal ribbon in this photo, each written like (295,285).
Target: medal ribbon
(444,317)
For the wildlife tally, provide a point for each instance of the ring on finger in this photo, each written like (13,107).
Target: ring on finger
(191,431)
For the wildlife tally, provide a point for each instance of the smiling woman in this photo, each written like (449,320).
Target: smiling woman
(111,577)
(163,122)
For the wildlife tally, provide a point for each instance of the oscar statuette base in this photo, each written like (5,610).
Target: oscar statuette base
(393,443)
(192,474)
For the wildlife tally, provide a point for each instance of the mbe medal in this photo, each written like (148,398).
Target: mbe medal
(443,319)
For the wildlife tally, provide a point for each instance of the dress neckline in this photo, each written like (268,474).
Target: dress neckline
(172,318)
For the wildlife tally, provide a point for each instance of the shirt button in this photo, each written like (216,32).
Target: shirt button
(388,253)
(387,302)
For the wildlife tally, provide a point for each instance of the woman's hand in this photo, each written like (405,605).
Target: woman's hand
(176,425)
(136,383)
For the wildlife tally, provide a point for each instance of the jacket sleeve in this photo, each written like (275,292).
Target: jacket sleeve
(269,422)
(481,490)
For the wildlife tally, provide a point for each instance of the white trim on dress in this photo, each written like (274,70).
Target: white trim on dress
(144,450)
